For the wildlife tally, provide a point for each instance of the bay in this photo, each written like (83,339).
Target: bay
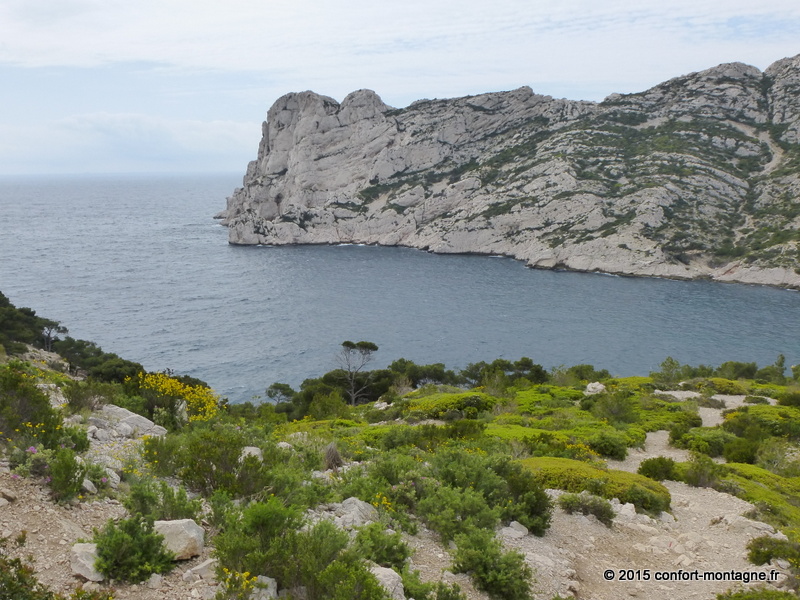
(136,264)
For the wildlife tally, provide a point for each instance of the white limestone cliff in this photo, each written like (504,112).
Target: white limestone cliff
(698,177)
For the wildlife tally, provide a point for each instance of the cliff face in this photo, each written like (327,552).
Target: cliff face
(696,177)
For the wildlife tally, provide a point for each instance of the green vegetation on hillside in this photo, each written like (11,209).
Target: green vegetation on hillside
(461,453)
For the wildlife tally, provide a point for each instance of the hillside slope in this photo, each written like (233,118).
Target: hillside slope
(696,177)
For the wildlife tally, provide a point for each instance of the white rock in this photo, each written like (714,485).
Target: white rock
(594,388)
(206,569)
(183,537)
(82,559)
(390,581)
(284,446)
(88,487)
(355,513)
(266,588)
(155,581)
(252,451)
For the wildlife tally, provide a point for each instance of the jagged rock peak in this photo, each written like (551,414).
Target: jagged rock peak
(690,178)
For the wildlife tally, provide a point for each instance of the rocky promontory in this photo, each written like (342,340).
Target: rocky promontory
(698,177)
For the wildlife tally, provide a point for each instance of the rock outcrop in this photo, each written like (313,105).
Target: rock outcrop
(696,177)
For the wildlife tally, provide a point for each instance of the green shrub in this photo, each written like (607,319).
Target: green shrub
(502,575)
(757,594)
(131,551)
(319,560)
(450,511)
(790,398)
(740,450)
(706,440)
(612,444)
(251,543)
(762,550)
(66,475)
(702,471)
(160,502)
(414,587)
(658,468)
(374,543)
(588,504)
(756,400)
(575,476)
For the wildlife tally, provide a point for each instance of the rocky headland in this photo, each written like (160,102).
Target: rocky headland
(698,177)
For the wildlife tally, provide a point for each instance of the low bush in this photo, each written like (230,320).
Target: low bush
(588,504)
(158,501)
(757,594)
(762,550)
(574,476)
(612,444)
(658,468)
(706,440)
(701,471)
(414,587)
(66,475)
(131,551)
(502,575)
(374,543)
(450,511)
(740,450)
(790,398)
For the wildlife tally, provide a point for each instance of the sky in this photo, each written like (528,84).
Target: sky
(111,86)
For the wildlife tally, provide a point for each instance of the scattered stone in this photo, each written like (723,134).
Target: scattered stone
(390,581)
(252,451)
(88,487)
(82,559)
(183,537)
(284,446)
(594,388)
(155,581)
(206,569)
(266,588)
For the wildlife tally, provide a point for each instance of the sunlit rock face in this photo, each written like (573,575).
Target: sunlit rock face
(696,177)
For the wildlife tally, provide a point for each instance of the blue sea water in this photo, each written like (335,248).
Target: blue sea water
(136,264)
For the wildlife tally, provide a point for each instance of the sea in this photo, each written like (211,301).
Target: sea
(137,264)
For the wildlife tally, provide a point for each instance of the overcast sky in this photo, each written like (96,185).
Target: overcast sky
(177,85)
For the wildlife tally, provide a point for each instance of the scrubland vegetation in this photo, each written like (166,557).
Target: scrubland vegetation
(460,453)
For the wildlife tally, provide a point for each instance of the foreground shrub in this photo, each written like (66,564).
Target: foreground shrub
(757,594)
(374,543)
(658,468)
(575,476)
(588,504)
(450,511)
(66,475)
(131,551)
(502,575)
(762,550)
(702,471)
(159,502)
(612,444)
(414,587)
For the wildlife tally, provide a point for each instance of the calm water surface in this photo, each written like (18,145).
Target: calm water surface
(137,265)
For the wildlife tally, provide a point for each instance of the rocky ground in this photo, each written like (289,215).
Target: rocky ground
(705,532)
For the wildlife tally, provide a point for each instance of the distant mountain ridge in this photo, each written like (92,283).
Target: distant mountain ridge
(697,177)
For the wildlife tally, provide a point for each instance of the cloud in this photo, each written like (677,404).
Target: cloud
(183,79)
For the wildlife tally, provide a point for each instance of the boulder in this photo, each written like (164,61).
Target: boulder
(252,451)
(266,588)
(182,537)
(390,581)
(206,569)
(82,559)
(354,513)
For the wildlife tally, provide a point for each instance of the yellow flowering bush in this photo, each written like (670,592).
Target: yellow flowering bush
(164,392)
